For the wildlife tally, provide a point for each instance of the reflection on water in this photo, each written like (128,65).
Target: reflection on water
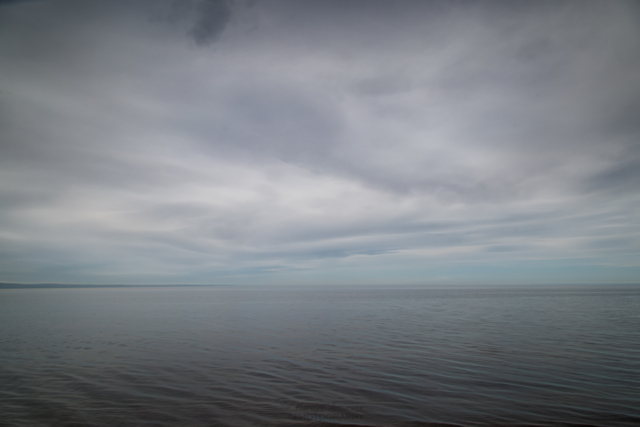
(250,356)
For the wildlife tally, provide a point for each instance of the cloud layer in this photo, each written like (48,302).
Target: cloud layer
(319,142)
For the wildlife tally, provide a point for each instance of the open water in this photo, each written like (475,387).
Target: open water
(286,356)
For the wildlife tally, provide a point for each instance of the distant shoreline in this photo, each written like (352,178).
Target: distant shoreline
(65,286)
(536,287)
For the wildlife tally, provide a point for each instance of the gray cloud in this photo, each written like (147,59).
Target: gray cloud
(318,141)
(213,17)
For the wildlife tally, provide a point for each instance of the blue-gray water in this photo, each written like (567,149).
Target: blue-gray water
(250,356)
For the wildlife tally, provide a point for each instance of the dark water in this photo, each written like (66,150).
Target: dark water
(218,356)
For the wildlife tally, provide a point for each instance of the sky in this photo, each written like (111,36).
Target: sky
(319,142)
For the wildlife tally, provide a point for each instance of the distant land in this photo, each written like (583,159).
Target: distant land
(549,286)
(66,286)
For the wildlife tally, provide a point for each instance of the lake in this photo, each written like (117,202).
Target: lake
(325,355)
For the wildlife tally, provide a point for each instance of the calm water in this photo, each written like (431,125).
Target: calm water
(241,356)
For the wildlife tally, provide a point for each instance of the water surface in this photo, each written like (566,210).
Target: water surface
(255,356)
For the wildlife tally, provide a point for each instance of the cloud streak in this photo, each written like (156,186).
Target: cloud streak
(319,142)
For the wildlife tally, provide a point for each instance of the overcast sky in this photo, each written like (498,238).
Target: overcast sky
(311,142)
